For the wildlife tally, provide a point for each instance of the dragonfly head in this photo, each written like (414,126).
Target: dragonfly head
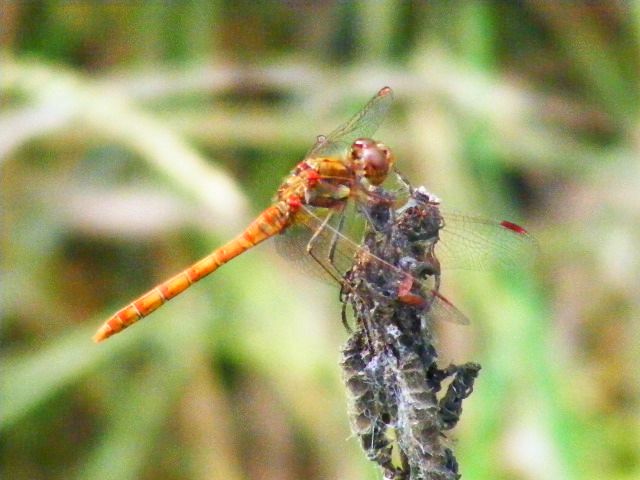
(372,160)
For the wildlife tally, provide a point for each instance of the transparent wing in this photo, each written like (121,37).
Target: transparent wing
(475,243)
(363,125)
(334,252)
(333,247)
(443,310)
(472,242)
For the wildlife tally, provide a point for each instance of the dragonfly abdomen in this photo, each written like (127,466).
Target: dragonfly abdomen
(270,222)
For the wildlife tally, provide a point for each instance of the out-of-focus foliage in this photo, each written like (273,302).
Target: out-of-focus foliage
(136,138)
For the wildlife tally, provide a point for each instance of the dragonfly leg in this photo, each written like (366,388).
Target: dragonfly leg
(334,240)
(345,321)
(404,180)
(310,251)
(333,272)
(345,285)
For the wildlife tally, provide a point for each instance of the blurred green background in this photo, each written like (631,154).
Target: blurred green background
(135,138)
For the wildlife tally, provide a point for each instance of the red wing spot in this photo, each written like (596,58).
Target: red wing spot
(384,91)
(405,295)
(411,299)
(514,227)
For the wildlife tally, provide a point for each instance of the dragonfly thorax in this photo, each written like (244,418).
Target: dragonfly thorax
(319,182)
(371,160)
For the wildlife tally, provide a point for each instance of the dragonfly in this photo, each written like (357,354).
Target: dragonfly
(307,218)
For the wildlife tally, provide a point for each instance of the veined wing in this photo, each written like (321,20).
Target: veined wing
(472,242)
(476,243)
(362,125)
(335,252)
(336,236)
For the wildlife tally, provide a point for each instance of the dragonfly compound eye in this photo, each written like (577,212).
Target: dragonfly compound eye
(373,159)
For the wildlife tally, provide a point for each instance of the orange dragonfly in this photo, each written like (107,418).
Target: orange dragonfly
(341,169)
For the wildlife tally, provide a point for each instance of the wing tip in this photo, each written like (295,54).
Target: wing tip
(384,91)
(514,227)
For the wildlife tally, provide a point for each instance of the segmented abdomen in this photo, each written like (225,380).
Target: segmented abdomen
(270,222)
